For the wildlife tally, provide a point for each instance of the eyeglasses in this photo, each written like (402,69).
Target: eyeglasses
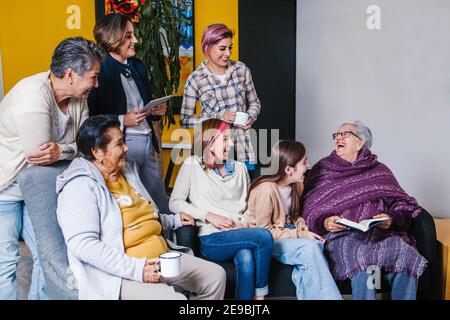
(344,134)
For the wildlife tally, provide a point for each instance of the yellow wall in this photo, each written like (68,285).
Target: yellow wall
(31,29)
(215,11)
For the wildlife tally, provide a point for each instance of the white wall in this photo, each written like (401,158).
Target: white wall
(397,80)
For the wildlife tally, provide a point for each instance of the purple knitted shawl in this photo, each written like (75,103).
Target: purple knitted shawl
(335,185)
(358,191)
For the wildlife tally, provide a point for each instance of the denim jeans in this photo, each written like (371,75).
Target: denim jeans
(404,287)
(15,221)
(311,274)
(251,251)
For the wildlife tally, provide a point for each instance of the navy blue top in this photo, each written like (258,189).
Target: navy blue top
(110,98)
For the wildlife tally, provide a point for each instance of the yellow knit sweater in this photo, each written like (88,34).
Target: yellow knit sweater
(141,228)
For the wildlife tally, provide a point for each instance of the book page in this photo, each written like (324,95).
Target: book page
(372,222)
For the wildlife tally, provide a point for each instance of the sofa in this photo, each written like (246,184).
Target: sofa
(281,285)
(38,186)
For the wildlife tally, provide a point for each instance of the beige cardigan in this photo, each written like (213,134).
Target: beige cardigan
(26,117)
(266,211)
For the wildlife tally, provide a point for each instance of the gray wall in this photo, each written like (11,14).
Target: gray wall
(397,80)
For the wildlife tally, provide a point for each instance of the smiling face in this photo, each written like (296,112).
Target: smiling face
(347,142)
(220,147)
(81,86)
(113,158)
(297,173)
(219,54)
(127,48)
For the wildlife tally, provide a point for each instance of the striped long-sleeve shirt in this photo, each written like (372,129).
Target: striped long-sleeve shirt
(236,93)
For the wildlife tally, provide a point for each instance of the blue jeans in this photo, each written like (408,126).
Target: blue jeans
(251,251)
(404,287)
(15,221)
(311,274)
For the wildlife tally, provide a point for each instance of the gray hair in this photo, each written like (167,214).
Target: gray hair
(364,133)
(76,53)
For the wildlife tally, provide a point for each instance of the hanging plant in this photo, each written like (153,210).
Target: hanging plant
(159,43)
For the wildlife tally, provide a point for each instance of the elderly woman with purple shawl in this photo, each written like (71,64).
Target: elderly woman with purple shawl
(351,183)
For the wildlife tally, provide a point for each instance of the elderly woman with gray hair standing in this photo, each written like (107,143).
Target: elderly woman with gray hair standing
(39,120)
(351,183)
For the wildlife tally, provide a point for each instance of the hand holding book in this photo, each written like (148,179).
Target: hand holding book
(337,224)
(386,224)
(381,220)
(331,226)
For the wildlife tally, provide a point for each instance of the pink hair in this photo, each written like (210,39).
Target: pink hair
(213,34)
(211,157)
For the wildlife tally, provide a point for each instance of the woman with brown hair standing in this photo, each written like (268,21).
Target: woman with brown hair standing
(123,90)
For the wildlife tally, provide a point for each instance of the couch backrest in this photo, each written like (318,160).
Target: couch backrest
(38,185)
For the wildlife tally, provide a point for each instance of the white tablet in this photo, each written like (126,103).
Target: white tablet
(154,103)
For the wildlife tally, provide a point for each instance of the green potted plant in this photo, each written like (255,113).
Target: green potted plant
(159,38)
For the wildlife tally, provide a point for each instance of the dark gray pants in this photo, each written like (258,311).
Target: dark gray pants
(140,150)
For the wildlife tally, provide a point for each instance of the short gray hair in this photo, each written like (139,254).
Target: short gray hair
(76,53)
(364,133)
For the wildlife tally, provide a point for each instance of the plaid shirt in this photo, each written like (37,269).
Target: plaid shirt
(236,94)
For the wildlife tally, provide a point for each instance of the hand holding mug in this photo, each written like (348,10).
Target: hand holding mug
(170,264)
(151,274)
(229,116)
(243,120)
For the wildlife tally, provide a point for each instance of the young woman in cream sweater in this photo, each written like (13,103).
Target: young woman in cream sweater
(214,193)
(274,204)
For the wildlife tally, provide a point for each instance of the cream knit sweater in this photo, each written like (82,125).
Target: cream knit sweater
(27,115)
(197,192)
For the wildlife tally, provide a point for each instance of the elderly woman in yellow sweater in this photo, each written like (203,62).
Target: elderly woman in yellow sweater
(213,191)
(113,228)
(274,204)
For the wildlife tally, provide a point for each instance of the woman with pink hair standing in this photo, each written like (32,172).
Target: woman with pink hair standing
(223,88)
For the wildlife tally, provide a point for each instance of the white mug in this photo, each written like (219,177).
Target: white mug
(241,118)
(170,264)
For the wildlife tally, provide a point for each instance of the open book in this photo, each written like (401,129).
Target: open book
(154,103)
(363,225)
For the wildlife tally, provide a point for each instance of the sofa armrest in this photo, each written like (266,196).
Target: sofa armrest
(424,231)
(38,185)
(187,237)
